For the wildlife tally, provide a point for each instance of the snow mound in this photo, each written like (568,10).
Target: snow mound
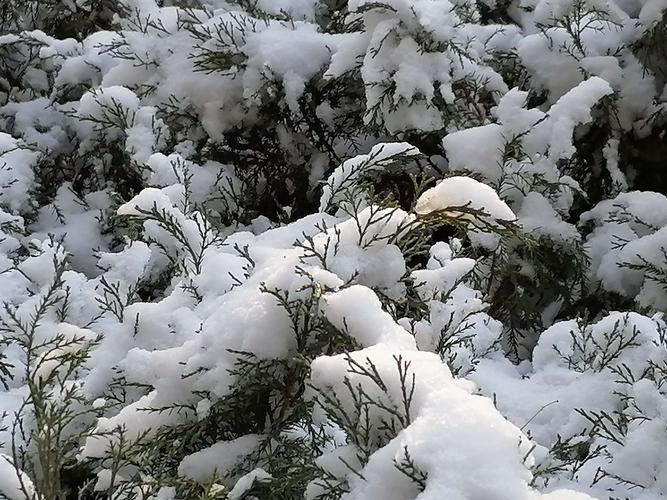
(464,198)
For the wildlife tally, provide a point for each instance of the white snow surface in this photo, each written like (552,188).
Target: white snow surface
(463,193)
(143,283)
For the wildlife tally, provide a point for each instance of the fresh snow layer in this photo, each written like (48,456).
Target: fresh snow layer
(464,193)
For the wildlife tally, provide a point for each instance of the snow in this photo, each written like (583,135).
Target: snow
(344,178)
(538,217)
(75,219)
(72,340)
(219,458)
(16,175)
(247,481)
(543,399)
(267,49)
(281,211)
(432,282)
(553,70)
(137,420)
(651,11)
(14,485)
(358,311)
(463,193)
(476,149)
(637,221)
(458,439)
(572,109)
